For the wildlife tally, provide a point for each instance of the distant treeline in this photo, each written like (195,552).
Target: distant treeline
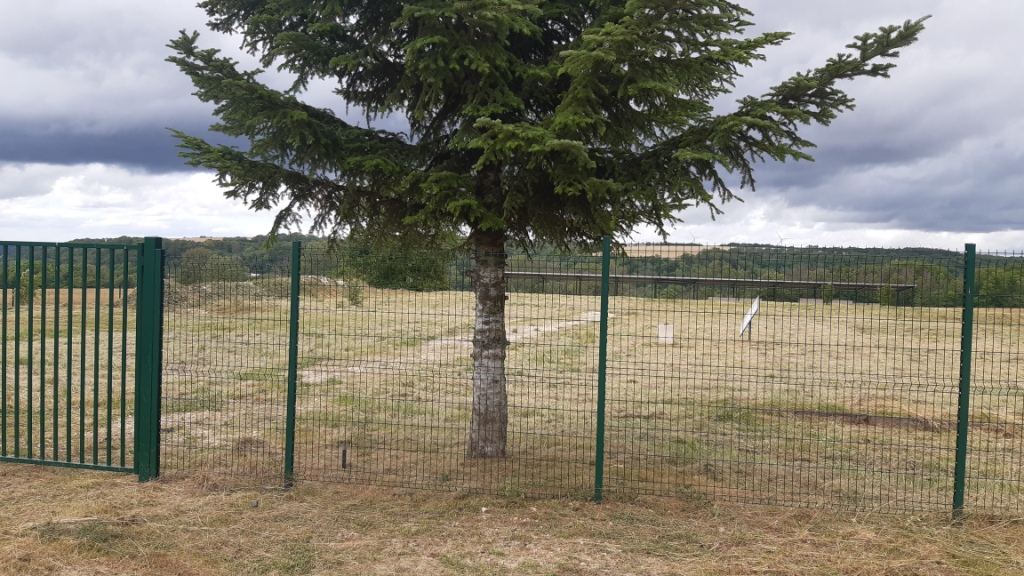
(936,276)
(50,267)
(104,267)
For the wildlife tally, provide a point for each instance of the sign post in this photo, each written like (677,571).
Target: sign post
(749,317)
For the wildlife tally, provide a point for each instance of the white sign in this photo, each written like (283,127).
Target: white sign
(750,315)
(666,333)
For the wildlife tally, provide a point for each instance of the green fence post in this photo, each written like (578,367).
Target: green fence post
(31,338)
(602,365)
(17,352)
(964,395)
(42,355)
(293,362)
(3,347)
(148,344)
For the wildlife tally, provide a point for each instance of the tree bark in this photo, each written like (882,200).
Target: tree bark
(489,425)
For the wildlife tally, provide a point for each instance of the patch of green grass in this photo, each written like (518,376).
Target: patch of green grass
(93,536)
(735,415)
(453,563)
(511,489)
(197,398)
(294,559)
(566,359)
(686,450)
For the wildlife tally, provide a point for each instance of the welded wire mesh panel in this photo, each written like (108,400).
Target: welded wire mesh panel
(67,349)
(995,457)
(770,375)
(385,378)
(841,391)
(225,371)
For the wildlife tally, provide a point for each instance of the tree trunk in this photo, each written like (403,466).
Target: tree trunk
(488,428)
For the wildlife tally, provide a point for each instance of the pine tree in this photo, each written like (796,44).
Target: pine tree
(529,121)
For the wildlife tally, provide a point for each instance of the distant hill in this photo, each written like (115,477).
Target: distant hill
(936,275)
(252,251)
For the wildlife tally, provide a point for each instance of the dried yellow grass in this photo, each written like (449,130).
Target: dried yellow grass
(842,405)
(78,523)
(848,405)
(669,251)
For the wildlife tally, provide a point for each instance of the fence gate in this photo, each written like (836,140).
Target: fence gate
(79,346)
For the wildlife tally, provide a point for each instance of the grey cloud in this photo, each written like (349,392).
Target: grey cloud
(974,187)
(933,148)
(938,147)
(93,84)
(21,180)
(151,148)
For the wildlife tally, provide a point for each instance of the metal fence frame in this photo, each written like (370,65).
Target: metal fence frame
(83,431)
(280,408)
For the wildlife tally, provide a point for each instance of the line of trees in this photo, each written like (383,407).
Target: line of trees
(1001,287)
(35,275)
(396,263)
(936,275)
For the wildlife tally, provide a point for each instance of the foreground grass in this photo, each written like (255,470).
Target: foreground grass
(55,521)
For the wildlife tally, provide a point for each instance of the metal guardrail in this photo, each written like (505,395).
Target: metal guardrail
(696,281)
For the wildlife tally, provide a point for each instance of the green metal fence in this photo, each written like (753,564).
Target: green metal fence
(628,373)
(225,365)
(842,391)
(994,461)
(380,374)
(862,379)
(79,380)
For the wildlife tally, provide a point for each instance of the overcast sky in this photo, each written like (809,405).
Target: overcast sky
(933,156)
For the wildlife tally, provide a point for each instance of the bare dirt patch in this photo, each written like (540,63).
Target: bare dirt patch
(446,347)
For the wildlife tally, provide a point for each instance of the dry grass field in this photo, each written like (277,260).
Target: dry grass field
(668,251)
(839,415)
(844,405)
(77,523)
(849,406)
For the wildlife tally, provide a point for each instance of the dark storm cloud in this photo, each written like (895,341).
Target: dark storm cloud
(938,147)
(971,186)
(86,82)
(91,84)
(151,148)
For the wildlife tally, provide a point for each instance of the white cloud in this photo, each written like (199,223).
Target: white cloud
(100,201)
(21,180)
(768,219)
(96,67)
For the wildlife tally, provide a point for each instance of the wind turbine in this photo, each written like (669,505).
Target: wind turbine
(694,239)
(782,239)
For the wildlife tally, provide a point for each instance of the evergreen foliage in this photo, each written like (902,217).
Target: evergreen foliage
(401,260)
(200,265)
(1001,287)
(529,121)
(549,121)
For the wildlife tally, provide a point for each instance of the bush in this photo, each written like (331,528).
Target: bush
(199,265)
(407,269)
